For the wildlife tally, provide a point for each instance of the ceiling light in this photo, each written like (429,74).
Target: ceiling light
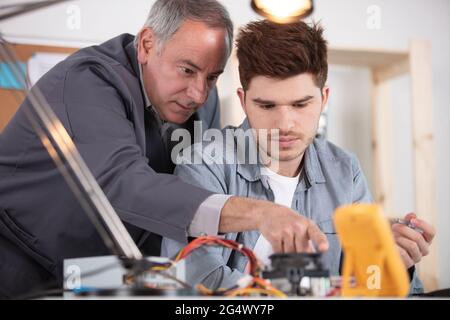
(283,11)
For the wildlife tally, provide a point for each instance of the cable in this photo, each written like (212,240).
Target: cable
(256,285)
(158,269)
(254,269)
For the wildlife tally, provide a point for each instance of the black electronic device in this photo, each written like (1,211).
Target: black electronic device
(298,274)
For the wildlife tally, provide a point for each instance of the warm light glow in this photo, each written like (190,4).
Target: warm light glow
(283,10)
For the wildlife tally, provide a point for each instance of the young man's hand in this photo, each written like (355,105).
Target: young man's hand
(285,229)
(412,244)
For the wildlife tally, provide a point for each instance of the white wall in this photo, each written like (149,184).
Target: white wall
(349,113)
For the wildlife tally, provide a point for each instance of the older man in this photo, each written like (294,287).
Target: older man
(119,102)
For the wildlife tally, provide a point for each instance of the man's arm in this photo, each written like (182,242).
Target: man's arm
(285,229)
(276,222)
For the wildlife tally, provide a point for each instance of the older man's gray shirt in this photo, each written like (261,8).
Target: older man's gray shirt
(331,177)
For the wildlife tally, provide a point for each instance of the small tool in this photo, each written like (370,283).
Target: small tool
(407,223)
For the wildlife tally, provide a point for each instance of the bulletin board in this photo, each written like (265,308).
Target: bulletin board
(8,100)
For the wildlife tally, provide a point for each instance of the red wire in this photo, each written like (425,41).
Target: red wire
(214,241)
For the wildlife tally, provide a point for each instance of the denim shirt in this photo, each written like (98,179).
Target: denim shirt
(331,177)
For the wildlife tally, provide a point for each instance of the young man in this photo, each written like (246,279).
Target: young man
(283,72)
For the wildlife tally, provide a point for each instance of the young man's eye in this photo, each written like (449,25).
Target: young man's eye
(267,106)
(300,105)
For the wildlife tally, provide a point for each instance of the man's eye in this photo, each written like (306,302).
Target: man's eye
(212,78)
(186,70)
(267,106)
(300,105)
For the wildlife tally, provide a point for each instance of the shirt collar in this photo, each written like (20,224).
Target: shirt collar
(164,125)
(148,104)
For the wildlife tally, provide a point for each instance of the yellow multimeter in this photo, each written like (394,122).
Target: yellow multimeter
(370,253)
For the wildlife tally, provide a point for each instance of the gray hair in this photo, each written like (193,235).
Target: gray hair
(167,16)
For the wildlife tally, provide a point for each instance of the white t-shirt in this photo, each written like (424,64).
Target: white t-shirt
(283,189)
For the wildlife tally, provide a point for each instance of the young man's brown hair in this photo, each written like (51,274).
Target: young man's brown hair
(281,51)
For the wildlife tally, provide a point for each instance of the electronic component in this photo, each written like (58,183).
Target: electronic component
(106,276)
(298,274)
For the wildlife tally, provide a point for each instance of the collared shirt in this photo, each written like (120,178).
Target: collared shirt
(331,177)
(206,219)
(148,104)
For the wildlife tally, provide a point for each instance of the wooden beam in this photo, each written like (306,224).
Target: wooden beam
(391,71)
(382,145)
(424,152)
(372,58)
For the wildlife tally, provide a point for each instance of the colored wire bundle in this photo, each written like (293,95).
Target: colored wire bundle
(253,286)
(257,286)
(215,241)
